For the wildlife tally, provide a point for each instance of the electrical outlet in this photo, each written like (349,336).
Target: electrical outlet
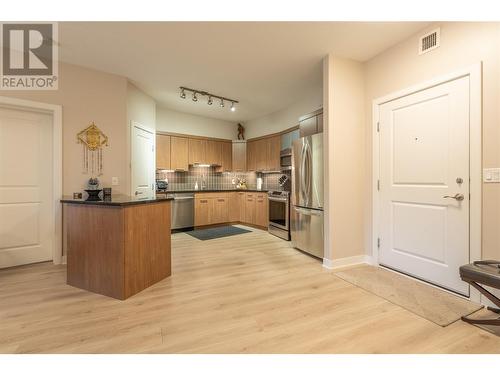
(491,175)
(114,181)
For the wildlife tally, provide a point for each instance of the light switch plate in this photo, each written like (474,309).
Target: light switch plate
(491,175)
(114,181)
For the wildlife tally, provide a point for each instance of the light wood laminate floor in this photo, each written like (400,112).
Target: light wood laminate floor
(249,293)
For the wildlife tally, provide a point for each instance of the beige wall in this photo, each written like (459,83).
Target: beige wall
(88,95)
(345,162)
(462,44)
(184,123)
(287,117)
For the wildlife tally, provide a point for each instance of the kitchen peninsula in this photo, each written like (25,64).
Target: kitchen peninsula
(117,247)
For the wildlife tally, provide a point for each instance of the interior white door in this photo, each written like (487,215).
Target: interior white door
(143,162)
(27,226)
(424,164)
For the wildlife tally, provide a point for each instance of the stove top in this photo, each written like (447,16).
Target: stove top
(277,193)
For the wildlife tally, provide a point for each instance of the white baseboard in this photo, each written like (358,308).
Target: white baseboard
(348,261)
(63,259)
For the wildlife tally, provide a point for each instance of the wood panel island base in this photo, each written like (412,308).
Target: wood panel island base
(117,248)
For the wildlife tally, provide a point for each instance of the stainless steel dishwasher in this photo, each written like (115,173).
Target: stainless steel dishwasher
(182,215)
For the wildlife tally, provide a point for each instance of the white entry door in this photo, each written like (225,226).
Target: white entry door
(424,184)
(143,162)
(26,188)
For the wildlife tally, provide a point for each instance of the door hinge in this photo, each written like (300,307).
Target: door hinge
(378,126)
(378,242)
(378,185)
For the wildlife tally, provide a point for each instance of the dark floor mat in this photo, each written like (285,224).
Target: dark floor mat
(218,232)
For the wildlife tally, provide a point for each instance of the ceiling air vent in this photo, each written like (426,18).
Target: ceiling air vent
(429,41)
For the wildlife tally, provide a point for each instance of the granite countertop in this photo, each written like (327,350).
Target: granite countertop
(116,200)
(211,191)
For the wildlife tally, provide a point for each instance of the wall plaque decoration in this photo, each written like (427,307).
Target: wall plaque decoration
(92,140)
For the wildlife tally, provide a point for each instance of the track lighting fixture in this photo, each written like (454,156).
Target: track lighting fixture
(210,97)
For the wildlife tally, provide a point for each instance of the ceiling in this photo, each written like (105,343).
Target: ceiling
(266,66)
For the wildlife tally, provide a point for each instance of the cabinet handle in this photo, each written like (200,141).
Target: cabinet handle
(221,200)
(203,201)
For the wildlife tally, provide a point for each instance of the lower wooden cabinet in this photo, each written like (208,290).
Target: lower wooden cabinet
(220,207)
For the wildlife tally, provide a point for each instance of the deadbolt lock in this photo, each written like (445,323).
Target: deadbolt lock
(459,180)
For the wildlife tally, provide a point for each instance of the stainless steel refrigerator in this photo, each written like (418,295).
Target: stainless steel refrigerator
(306,215)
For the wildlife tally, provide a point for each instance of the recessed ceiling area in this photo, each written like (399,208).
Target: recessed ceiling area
(266,66)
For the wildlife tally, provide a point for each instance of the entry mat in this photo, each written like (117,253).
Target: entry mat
(426,301)
(217,232)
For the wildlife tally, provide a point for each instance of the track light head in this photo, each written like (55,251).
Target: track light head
(233,108)
(210,101)
(222,102)
(195,98)
(183,94)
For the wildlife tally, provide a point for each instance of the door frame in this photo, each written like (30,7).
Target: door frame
(474,72)
(131,134)
(56,112)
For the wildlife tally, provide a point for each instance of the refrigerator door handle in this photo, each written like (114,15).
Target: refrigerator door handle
(308,212)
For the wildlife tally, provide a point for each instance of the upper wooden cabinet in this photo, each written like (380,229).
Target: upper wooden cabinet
(273,153)
(227,156)
(239,151)
(197,151)
(163,151)
(179,153)
(213,153)
(252,155)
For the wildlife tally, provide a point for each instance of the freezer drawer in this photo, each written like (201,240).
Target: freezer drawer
(307,230)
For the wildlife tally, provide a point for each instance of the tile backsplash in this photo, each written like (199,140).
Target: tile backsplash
(217,180)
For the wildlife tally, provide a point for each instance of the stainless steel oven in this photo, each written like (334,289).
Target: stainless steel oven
(279,214)
(286,159)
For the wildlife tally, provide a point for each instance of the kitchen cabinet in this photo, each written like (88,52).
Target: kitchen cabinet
(273,153)
(250,208)
(220,212)
(203,211)
(241,197)
(311,123)
(162,151)
(179,154)
(227,156)
(197,151)
(234,207)
(261,210)
(262,146)
(251,155)
(239,156)
(213,154)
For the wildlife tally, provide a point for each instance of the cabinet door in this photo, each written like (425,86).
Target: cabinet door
(251,155)
(203,209)
(179,153)
(220,210)
(308,126)
(273,156)
(233,207)
(213,152)
(261,210)
(250,209)
(241,206)
(262,153)
(239,156)
(162,151)
(319,122)
(227,156)
(197,151)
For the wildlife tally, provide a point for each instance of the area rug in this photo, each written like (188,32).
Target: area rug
(426,301)
(217,232)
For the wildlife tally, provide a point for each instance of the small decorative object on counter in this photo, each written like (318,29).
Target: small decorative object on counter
(241,132)
(93,189)
(106,191)
(92,140)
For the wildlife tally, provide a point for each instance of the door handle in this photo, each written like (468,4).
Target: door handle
(138,192)
(459,197)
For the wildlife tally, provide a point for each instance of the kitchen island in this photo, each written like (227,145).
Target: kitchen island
(118,246)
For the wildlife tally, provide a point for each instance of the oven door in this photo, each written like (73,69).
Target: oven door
(278,213)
